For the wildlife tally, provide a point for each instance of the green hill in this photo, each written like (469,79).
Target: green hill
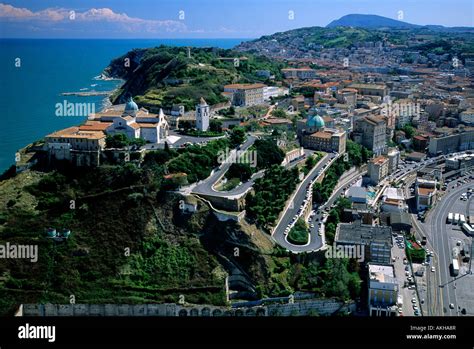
(163,76)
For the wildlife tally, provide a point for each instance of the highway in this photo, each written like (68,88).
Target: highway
(442,284)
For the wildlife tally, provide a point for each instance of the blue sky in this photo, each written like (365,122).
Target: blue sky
(207,18)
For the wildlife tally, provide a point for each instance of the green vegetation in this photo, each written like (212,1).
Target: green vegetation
(299,234)
(239,170)
(311,161)
(414,254)
(110,214)
(163,76)
(268,153)
(228,112)
(279,113)
(333,277)
(121,140)
(426,40)
(334,218)
(229,184)
(237,136)
(198,161)
(409,130)
(266,204)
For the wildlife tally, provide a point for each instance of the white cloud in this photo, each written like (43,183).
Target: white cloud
(99,15)
(8,11)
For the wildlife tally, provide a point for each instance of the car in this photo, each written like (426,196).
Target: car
(415,307)
(451,306)
(407,273)
(407,268)
(417,312)
(320,233)
(413,300)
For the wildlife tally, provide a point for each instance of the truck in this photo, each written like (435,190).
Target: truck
(456,218)
(450,217)
(471,220)
(468,229)
(455,267)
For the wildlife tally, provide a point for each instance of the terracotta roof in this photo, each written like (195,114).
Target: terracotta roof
(379,160)
(425,191)
(134,125)
(74,132)
(322,134)
(277,121)
(94,126)
(148,125)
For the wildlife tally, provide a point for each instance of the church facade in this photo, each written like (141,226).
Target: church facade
(82,145)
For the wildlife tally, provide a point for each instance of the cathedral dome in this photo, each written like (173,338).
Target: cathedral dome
(131,107)
(315,121)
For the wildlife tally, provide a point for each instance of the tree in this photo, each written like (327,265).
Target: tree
(237,136)
(317,193)
(185,125)
(118,140)
(241,171)
(268,153)
(279,113)
(215,126)
(366,154)
(409,130)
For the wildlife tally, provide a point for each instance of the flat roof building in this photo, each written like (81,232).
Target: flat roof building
(377,240)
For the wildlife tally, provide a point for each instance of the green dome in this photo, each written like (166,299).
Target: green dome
(315,121)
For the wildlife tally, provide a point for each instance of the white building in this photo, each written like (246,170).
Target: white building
(393,155)
(133,122)
(393,200)
(202,115)
(273,91)
(383,290)
(425,193)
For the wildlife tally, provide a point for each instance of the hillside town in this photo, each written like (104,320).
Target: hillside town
(310,172)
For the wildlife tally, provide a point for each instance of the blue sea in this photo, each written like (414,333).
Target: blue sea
(35,72)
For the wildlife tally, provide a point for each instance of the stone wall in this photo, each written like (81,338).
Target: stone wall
(298,308)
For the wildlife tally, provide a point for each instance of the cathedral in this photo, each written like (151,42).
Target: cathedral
(133,122)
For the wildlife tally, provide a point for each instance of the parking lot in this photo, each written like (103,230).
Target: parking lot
(458,240)
(402,273)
